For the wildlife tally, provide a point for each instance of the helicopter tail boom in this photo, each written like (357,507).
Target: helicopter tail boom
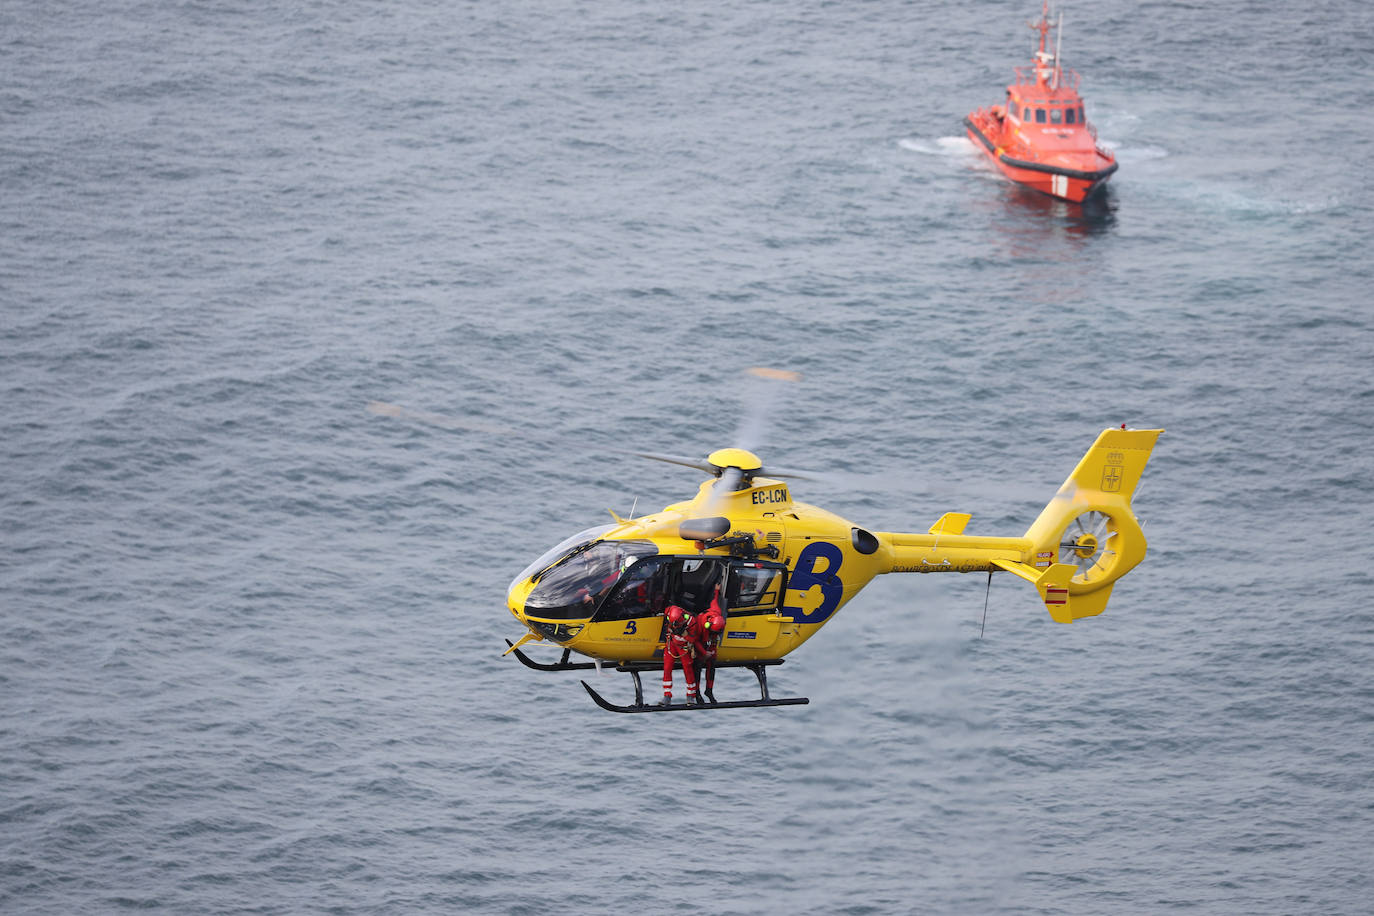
(1085,539)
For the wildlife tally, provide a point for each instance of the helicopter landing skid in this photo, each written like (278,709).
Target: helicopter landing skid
(561,665)
(640,706)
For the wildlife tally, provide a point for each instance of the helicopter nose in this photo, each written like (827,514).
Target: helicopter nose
(559,630)
(516,595)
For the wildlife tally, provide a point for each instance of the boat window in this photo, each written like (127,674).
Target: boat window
(1068,115)
(1039,116)
(1056,115)
(1014,108)
(1081,116)
(1027,113)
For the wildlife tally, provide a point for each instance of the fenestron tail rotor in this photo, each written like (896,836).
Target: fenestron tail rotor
(1089,543)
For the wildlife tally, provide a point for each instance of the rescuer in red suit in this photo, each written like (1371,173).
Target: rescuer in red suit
(706,630)
(679,647)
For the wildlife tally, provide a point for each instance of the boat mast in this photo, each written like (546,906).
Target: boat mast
(1042,60)
(1058,43)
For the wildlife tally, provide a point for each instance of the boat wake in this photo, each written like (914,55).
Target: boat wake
(1136,153)
(1246,203)
(940,146)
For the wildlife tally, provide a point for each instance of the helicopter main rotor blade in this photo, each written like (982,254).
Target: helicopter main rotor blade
(760,401)
(701,464)
(788,473)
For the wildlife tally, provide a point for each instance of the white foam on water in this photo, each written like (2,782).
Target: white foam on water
(939,146)
(1135,153)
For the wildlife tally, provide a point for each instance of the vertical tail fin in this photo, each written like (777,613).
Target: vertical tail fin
(1114,464)
(1088,537)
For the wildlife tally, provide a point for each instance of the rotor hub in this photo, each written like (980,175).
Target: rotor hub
(1085,545)
(740,458)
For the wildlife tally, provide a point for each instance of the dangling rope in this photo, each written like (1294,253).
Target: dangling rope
(986,595)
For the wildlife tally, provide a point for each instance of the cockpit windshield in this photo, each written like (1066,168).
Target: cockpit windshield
(559,551)
(574,587)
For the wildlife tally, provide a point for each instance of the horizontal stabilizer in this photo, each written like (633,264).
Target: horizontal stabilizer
(1053,585)
(951,523)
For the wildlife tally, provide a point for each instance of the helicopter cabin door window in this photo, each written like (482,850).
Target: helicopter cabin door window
(641,592)
(755,588)
(753,595)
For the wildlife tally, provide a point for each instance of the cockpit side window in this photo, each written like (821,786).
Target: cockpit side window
(1069,115)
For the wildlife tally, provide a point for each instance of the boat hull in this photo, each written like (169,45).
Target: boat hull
(1074,179)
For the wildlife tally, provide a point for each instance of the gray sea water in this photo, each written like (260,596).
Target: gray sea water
(251,634)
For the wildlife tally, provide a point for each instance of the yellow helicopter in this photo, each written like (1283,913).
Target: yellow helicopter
(784,568)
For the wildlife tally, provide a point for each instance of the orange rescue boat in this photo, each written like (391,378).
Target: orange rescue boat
(1040,138)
